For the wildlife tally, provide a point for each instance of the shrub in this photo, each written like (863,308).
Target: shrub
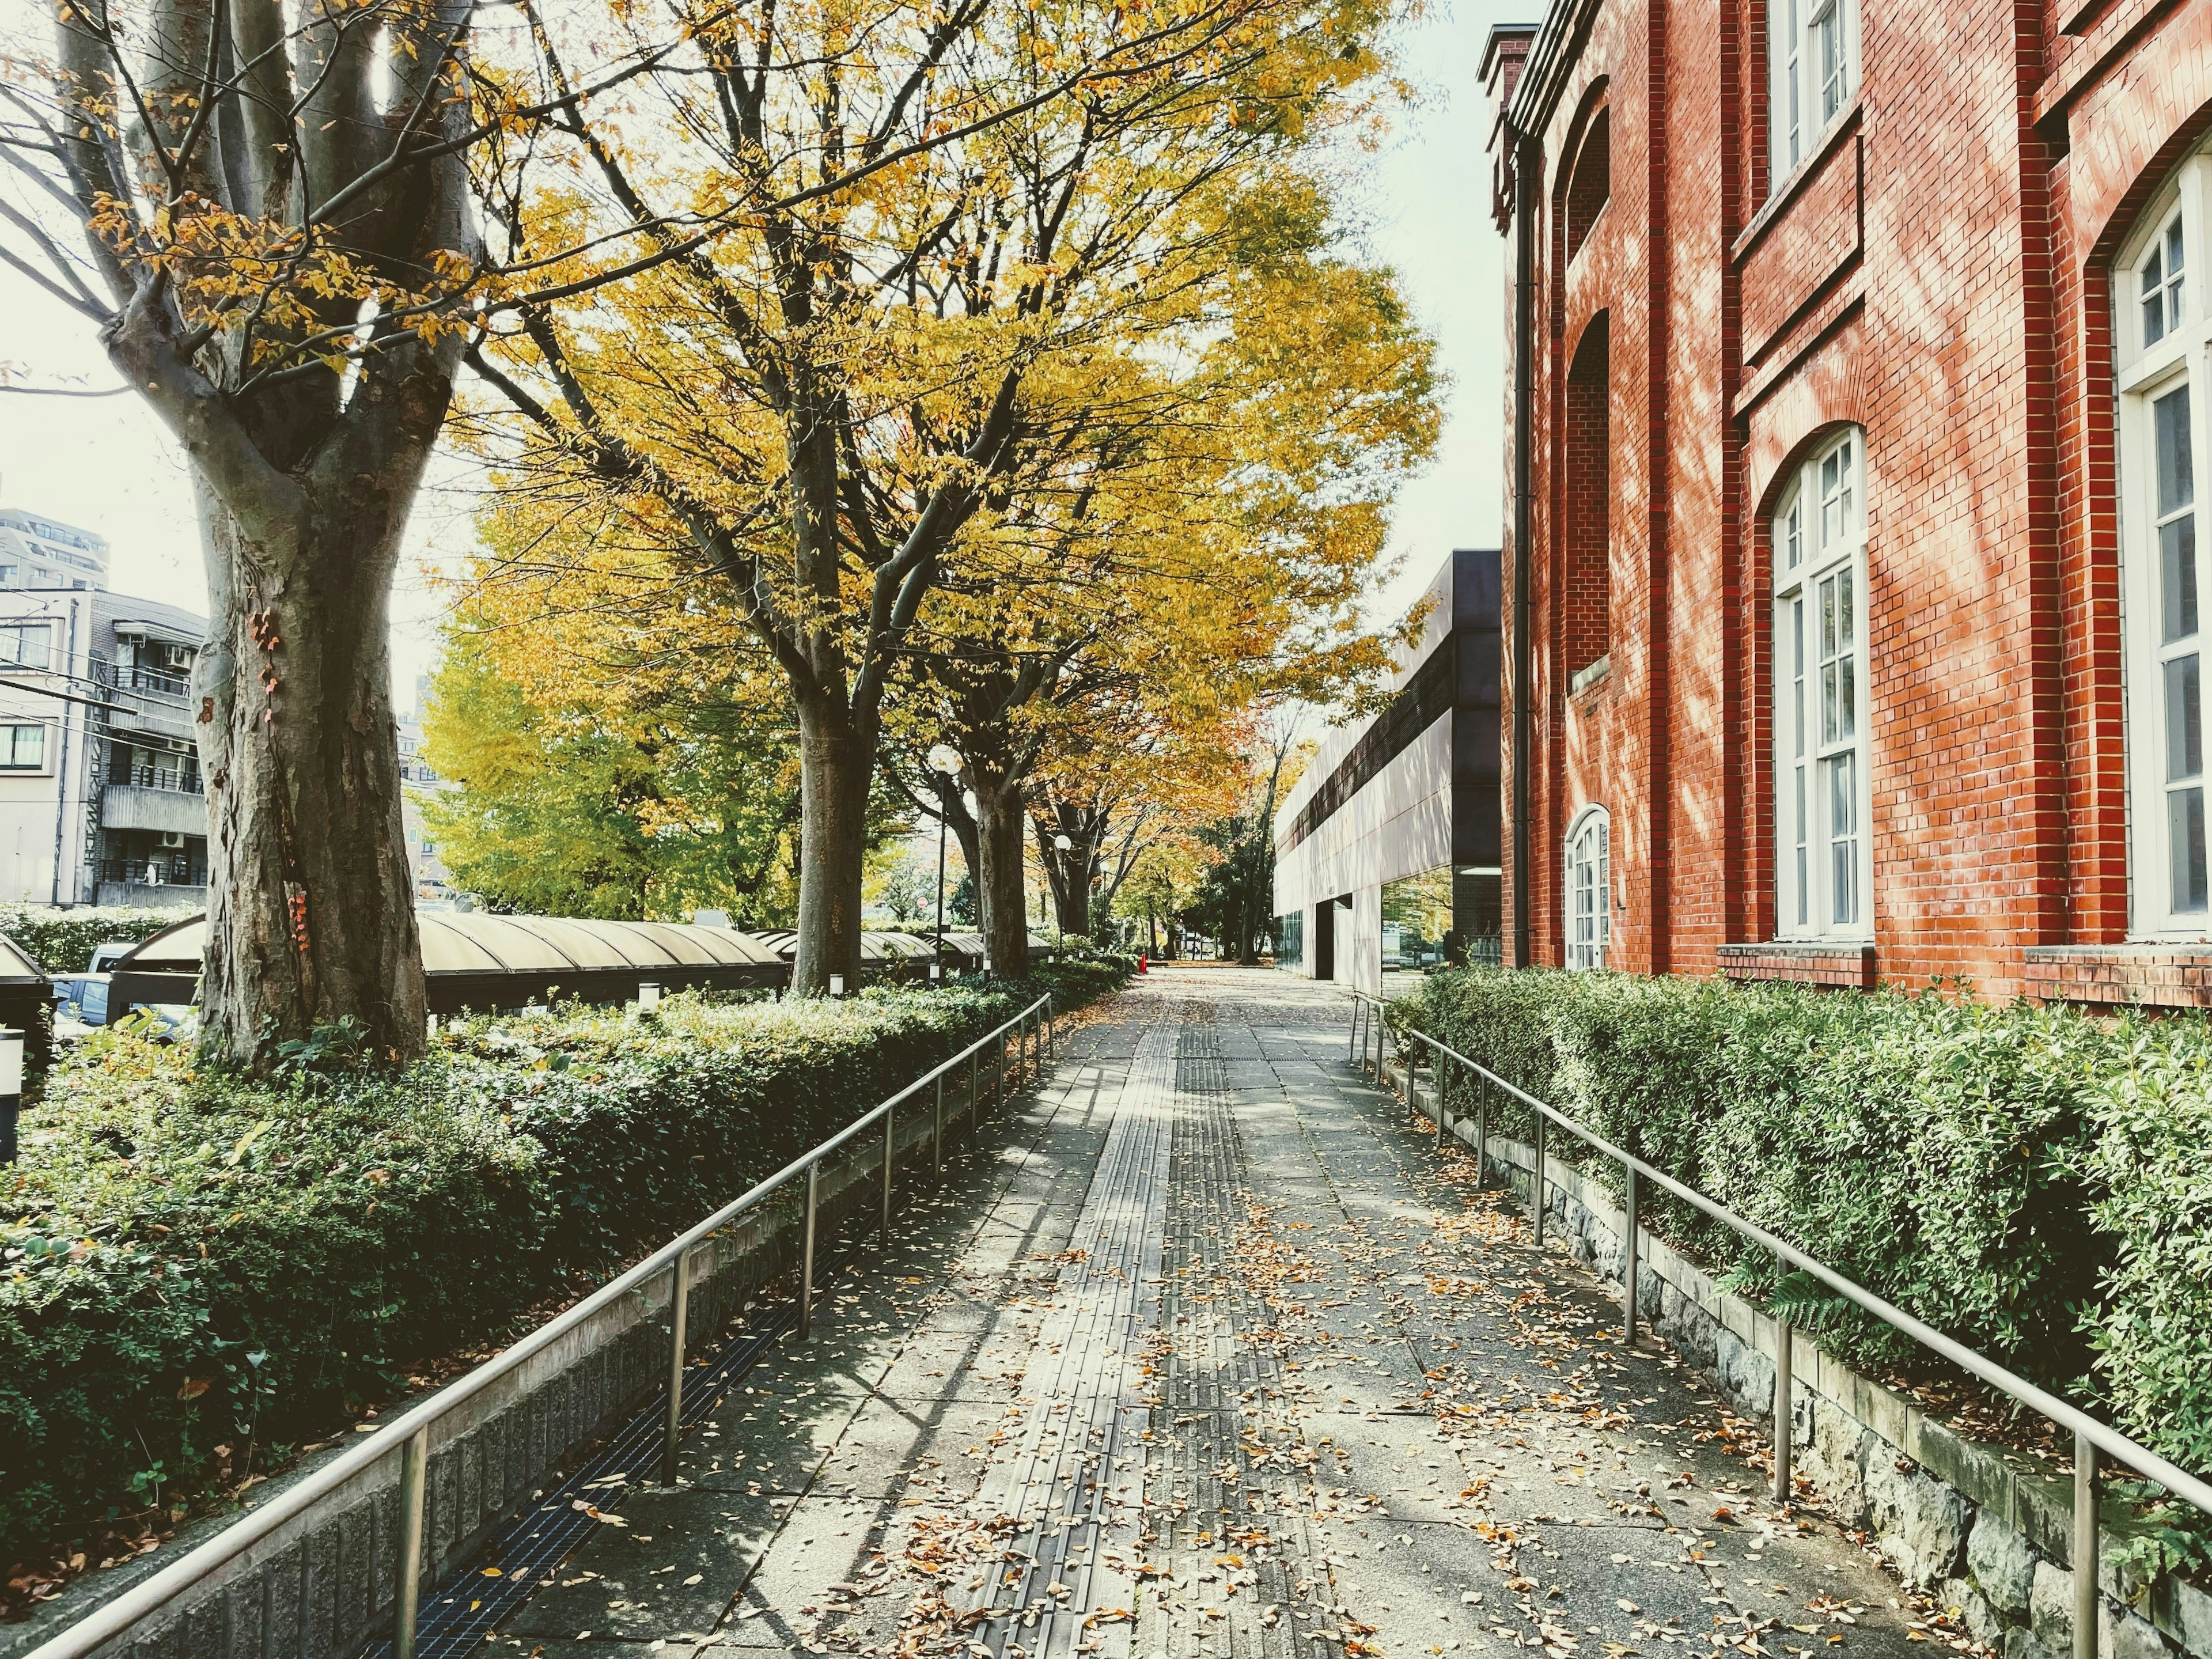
(196,1267)
(1935,1149)
(2154,1180)
(62,941)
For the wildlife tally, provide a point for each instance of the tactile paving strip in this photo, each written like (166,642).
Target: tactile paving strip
(1070,1487)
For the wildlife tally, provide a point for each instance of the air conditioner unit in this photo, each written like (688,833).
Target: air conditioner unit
(173,839)
(176,656)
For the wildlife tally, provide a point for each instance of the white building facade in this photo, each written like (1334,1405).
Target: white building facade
(1386,852)
(100,796)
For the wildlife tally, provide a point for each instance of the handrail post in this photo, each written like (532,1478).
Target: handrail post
(975,1091)
(1051,1036)
(2086,1600)
(937,1141)
(679,1297)
(806,1253)
(414,1483)
(1352,1030)
(1441,1077)
(1481,1130)
(1536,1187)
(1785,1359)
(891,1144)
(1628,1260)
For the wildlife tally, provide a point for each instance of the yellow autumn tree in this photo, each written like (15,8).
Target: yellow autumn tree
(1199,549)
(855,384)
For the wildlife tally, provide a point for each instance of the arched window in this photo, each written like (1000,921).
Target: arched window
(1813,70)
(1823,858)
(1589,888)
(1591,183)
(2162,336)
(1588,606)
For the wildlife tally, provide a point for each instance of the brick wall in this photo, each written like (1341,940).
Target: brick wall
(1935,271)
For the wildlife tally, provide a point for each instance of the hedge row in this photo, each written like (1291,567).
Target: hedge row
(196,1269)
(2033,1181)
(62,941)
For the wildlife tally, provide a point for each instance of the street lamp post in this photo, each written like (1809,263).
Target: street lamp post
(944,763)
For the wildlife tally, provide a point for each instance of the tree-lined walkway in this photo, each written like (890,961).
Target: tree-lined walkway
(1212,1354)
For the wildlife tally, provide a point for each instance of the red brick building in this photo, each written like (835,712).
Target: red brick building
(1859,429)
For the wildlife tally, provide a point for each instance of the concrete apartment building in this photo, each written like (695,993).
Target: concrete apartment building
(1856,426)
(101,795)
(1387,848)
(100,799)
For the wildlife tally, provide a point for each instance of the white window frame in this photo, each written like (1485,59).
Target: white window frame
(1811,75)
(2163,866)
(25,627)
(1587,888)
(45,762)
(1823,799)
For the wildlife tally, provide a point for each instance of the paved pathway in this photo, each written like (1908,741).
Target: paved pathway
(1212,1354)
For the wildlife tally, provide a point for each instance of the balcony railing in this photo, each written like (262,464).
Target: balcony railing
(183,780)
(154,872)
(154,679)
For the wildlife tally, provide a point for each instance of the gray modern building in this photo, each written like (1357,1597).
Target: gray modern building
(1386,852)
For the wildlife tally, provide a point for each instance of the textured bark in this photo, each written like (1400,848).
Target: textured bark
(1002,830)
(312,911)
(836,761)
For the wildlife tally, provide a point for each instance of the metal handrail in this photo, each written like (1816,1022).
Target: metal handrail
(2090,1436)
(408,1434)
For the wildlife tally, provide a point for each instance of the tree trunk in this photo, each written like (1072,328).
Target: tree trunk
(1079,868)
(836,763)
(1002,826)
(311,918)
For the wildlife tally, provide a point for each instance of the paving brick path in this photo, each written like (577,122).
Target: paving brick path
(1208,1352)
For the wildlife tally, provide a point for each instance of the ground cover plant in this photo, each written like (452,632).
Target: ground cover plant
(2030,1181)
(199,1270)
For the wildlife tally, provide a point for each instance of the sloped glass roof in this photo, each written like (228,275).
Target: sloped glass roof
(474,942)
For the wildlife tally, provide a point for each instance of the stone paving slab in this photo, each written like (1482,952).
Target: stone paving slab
(1207,1351)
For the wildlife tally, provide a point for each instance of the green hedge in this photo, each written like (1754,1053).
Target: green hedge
(190,1262)
(62,941)
(2030,1181)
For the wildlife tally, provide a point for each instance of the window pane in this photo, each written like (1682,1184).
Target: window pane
(2184,731)
(2177,478)
(2173,274)
(1847,723)
(1803,882)
(1842,840)
(1828,33)
(2153,298)
(2177,549)
(27,747)
(2185,828)
(1797,674)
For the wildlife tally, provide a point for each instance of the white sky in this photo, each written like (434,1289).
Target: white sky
(106,464)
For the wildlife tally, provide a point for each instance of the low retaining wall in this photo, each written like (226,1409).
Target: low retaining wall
(1987,1529)
(321,1586)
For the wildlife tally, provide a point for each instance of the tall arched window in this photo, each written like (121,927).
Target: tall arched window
(1591,183)
(1589,888)
(2162,333)
(1823,857)
(1588,604)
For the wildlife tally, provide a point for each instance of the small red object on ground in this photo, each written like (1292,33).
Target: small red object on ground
(1144,962)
